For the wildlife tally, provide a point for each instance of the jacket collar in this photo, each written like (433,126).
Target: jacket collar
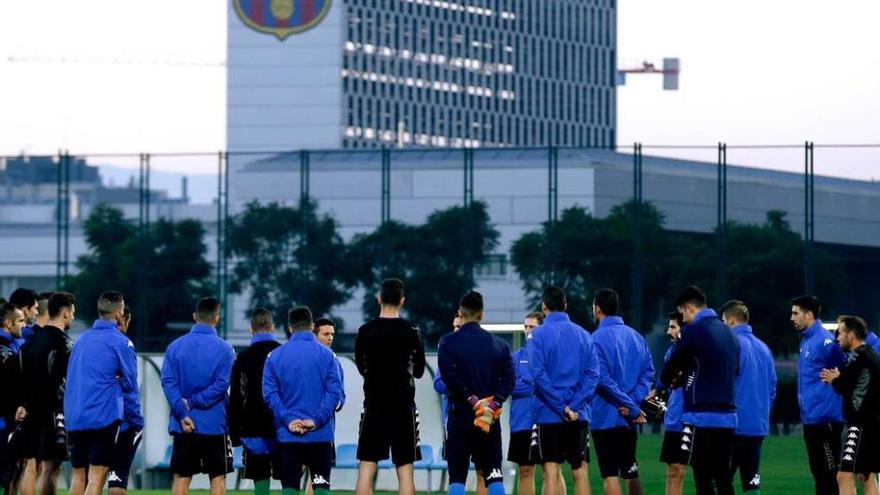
(705,313)
(6,336)
(611,320)
(263,337)
(470,327)
(102,324)
(303,335)
(743,329)
(556,316)
(813,330)
(203,329)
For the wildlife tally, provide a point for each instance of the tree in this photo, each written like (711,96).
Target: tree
(163,271)
(435,260)
(285,257)
(582,254)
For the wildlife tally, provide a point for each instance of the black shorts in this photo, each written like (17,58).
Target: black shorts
(859,453)
(261,466)
(523,447)
(194,454)
(314,456)
(126,446)
(389,428)
(676,448)
(44,438)
(616,452)
(466,443)
(93,447)
(747,458)
(564,442)
(8,458)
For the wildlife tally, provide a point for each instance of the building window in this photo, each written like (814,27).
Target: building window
(495,266)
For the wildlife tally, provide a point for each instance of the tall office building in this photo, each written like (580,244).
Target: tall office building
(308,74)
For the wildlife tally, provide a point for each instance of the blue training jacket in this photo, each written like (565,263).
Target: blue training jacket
(675,404)
(755,385)
(522,404)
(626,372)
(818,401)
(102,383)
(474,362)
(301,381)
(565,369)
(707,354)
(195,377)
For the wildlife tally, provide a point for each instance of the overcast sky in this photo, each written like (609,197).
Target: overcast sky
(122,76)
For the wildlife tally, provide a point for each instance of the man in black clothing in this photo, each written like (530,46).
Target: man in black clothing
(389,355)
(859,385)
(44,365)
(10,375)
(251,422)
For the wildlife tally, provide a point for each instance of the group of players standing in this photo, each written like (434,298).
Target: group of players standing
(81,401)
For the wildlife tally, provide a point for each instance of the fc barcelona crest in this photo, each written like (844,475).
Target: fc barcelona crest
(281,17)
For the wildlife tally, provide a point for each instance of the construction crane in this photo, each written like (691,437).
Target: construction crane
(671,69)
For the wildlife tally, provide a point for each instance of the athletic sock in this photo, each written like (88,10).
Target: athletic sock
(2,490)
(496,488)
(289,491)
(322,491)
(456,489)
(261,487)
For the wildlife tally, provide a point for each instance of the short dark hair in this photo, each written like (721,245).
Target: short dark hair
(607,301)
(471,304)
(23,298)
(261,320)
(59,301)
(43,302)
(391,292)
(678,317)
(855,325)
(554,298)
(320,322)
(300,318)
(7,311)
(110,301)
(808,303)
(736,309)
(691,294)
(207,309)
(537,315)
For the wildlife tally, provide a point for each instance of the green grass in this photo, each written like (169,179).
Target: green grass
(784,470)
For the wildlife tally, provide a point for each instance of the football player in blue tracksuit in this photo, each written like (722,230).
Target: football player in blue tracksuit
(565,369)
(10,401)
(522,448)
(755,392)
(195,378)
(626,372)
(102,392)
(477,368)
(676,449)
(303,407)
(129,431)
(705,362)
(821,407)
